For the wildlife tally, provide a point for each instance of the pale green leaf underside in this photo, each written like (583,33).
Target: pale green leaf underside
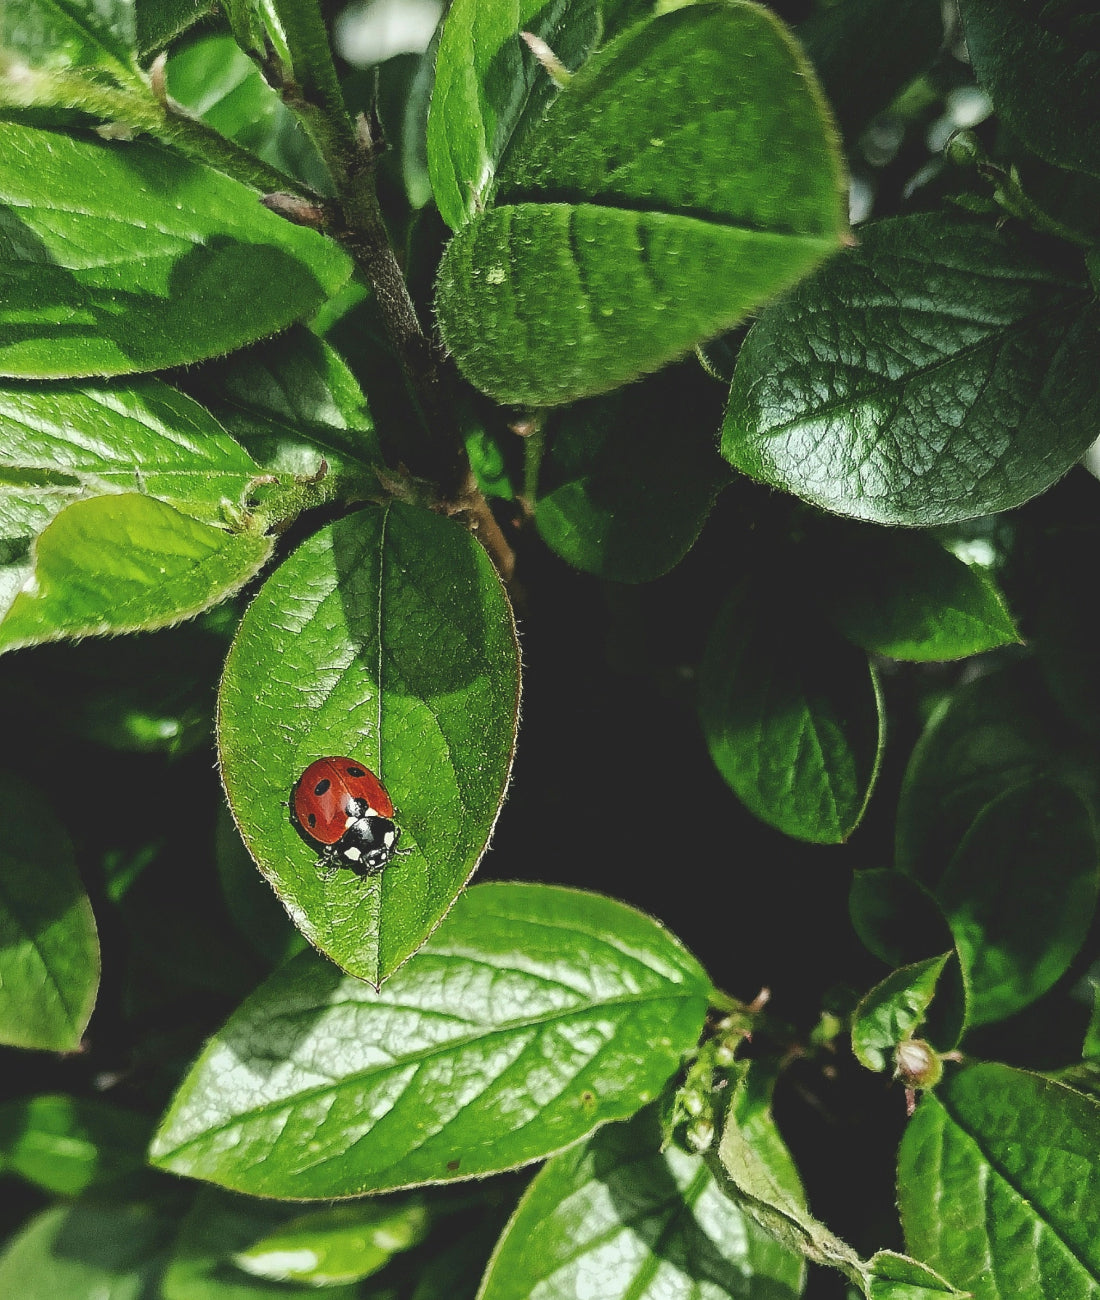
(533,1015)
(126,563)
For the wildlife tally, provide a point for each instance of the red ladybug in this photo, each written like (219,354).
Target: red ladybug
(341,809)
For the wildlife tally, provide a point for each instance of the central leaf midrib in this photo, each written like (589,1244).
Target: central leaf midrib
(451,1047)
(567,198)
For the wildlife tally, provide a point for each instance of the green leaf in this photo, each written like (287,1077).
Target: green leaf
(101,238)
(617,1217)
(291,400)
(489,89)
(159,22)
(904,596)
(66,1145)
(1020,894)
(558,1011)
(213,78)
(40,39)
(62,442)
(339,1244)
(758,1183)
(893,1011)
(995,734)
(49,952)
(1038,62)
(215,1228)
(126,563)
(627,485)
(895,917)
(938,372)
(686,174)
(92,1248)
(791,714)
(387,636)
(999,1185)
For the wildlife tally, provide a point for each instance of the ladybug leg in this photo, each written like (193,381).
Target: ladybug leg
(326,869)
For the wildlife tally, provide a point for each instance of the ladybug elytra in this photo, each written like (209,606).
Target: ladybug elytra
(342,810)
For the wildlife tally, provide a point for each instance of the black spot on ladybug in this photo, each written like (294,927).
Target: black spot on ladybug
(356,771)
(322,787)
(312,819)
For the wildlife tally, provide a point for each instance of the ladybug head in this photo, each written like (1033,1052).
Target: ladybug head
(369,844)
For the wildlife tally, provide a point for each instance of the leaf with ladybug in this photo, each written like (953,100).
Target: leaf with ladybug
(380,657)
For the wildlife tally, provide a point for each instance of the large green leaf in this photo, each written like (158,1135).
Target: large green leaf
(791,713)
(49,952)
(903,595)
(619,1218)
(1020,894)
(1038,62)
(387,637)
(216,1228)
(532,1016)
(102,1249)
(66,1145)
(489,89)
(126,563)
(124,257)
(940,371)
(999,1185)
(61,442)
(628,482)
(995,734)
(687,173)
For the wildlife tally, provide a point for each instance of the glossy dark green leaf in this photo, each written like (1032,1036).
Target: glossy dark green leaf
(1020,894)
(49,952)
(894,1010)
(902,595)
(387,637)
(895,917)
(101,1249)
(100,237)
(994,734)
(557,1010)
(939,371)
(999,1186)
(1038,62)
(67,1145)
(687,173)
(791,714)
(292,400)
(628,481)
(216,1227)
(617,1217)
(339,1244)
(489,89)
(126,563)
(62,442)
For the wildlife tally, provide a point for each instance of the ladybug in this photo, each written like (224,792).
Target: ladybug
(341,809)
